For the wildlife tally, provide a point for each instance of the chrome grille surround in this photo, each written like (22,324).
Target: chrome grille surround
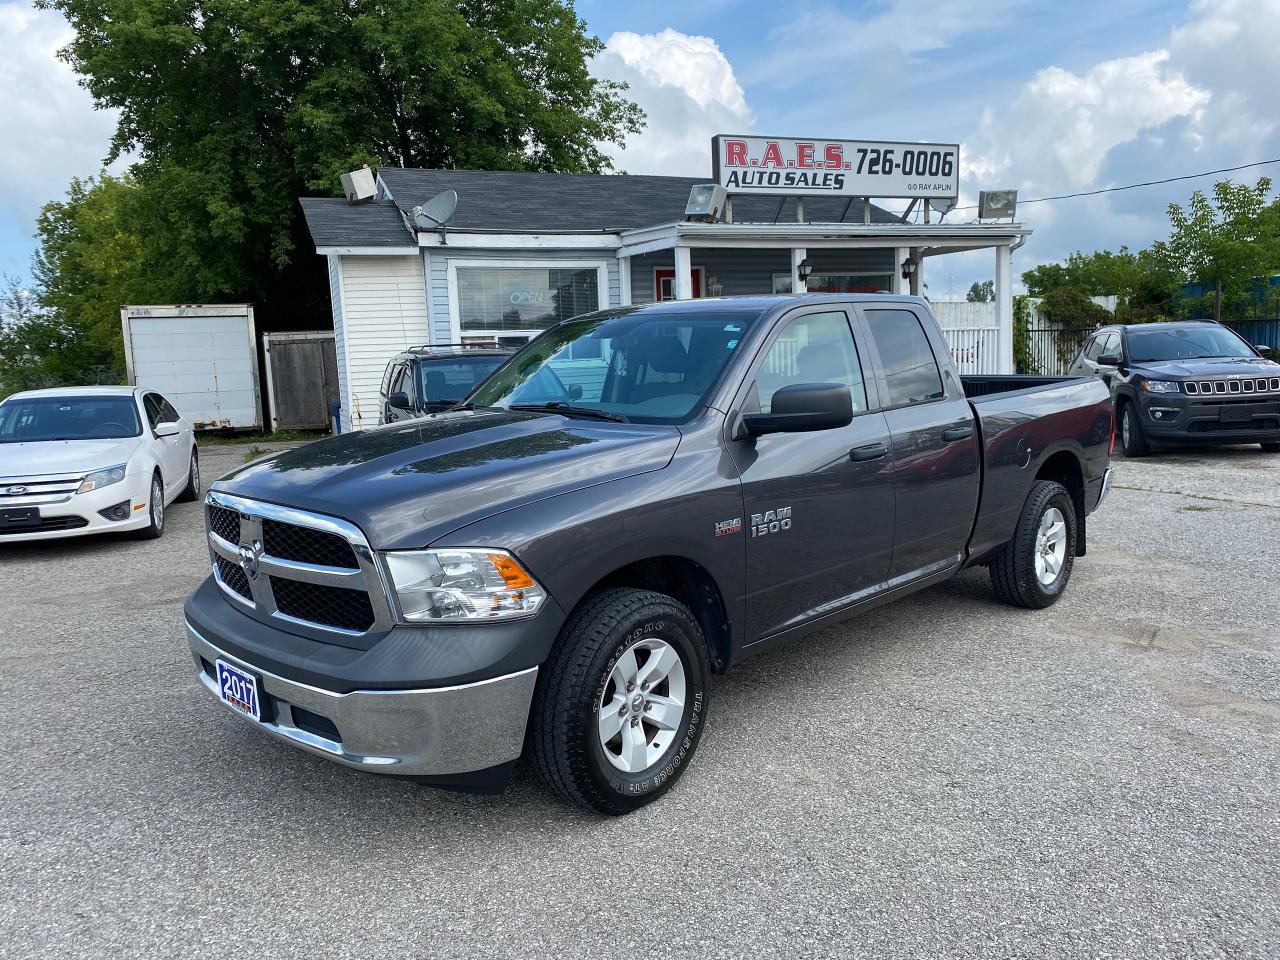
(366,577)
(40,490)
(1232,386)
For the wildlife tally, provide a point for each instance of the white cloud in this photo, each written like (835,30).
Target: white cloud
(49,131)
(688,91)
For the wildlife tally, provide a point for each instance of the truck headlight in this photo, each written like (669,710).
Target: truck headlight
(1161,386)
(102,478)
(465,584)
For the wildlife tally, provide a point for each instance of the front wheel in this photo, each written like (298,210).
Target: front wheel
(1132,440)
(622,704)
(155,511)
(1034,567)
(192,490)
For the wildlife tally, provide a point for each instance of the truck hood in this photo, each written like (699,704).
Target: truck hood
(408,484)
(63,456)
(1211,367)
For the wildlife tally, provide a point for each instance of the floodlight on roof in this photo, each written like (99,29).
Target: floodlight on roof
(997,204)
(359,186)
(706,200)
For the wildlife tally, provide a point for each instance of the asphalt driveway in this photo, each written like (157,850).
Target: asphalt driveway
(941,777)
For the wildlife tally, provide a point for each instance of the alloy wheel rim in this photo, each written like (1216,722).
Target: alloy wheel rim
(1051,546)
(1124,428)
(195,473)
(642,706)
(157,504)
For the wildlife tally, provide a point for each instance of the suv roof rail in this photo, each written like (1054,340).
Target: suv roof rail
(484,345)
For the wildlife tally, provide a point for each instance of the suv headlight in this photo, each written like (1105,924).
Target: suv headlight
(462,584)
(102,478)
(1161,386)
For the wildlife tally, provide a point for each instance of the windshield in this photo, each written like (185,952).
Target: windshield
(646,367)
(443,383)
(1187,343)
(68,418)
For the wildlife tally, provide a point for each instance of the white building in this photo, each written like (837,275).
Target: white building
(527,249)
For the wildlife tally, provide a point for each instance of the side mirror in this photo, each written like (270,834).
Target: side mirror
(399,400)
(803,407)
(1263,350)
(1109,360)
(169,428)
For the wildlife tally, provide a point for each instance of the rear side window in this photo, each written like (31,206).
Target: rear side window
(910,370)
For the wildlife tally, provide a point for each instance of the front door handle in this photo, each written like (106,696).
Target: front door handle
(957,433)
(872,451)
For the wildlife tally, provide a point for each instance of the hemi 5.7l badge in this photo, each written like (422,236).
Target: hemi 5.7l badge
(726,527)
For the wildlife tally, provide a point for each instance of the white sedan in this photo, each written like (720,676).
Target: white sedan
(77,460)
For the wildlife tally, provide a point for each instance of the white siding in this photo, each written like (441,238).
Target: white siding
(384,310)
(335,299)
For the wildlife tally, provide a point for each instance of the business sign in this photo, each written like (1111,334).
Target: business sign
(781,166)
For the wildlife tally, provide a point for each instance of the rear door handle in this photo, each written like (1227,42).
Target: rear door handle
(957,433)
(872,451)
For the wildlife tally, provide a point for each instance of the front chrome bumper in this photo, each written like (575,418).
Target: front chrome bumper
(434,732)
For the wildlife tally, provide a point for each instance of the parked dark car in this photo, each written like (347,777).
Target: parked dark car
(1190,382)
(424,380)
(638,499)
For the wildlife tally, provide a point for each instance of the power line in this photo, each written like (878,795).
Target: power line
(1132,186)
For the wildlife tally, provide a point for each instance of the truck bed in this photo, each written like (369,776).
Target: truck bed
(982,386)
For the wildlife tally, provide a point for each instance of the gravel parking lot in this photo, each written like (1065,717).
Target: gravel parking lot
(942,777)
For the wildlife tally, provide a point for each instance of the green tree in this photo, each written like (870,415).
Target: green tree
(1226,242)
(234,108)
(36,348)
(981,291)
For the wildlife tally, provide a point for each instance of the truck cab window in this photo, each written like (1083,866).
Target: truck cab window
(814,348)
(910,369)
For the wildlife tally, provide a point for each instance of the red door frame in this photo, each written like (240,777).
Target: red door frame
(669,273)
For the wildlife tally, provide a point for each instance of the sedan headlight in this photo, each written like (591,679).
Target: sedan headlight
(102,478)
(1161,386)
(468,584)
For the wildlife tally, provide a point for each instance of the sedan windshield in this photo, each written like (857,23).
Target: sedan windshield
(641,366)
(25,420)
(442,383)
(1187,343)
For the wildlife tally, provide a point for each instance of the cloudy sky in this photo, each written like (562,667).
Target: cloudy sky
(1045,97)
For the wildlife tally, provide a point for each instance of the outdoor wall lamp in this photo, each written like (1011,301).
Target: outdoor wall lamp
(909,267)
(803,269)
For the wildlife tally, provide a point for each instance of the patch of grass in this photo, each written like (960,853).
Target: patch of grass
(280,436)
(254,452)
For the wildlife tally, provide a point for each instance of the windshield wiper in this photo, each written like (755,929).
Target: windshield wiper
(555,406)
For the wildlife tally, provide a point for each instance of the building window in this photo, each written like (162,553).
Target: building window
(498,300)
(838,283)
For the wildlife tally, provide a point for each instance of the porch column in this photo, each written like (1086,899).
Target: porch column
(684,274)
(797,285)
(1004,309)
(624,281)
(917,278)
(899,254)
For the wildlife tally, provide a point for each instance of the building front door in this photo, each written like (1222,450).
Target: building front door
(664,283)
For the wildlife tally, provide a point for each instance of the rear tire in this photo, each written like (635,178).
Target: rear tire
(1033,569)
(1271,446)
(1132,440)
(155,511)
(605,735)
(192,490)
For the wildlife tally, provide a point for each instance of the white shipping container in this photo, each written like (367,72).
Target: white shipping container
(203,359)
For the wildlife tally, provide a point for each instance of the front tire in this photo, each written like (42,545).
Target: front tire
(155,511)
(192,490)
(620,709)
(1033,569)
(1132,440)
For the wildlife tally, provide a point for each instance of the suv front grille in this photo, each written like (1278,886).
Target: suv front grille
(1204,388)
(332,606)
(313,571)
(289,541)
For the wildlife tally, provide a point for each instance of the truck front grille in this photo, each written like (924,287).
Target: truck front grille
(1204,388)
(310,573)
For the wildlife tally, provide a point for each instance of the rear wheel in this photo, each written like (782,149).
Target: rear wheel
(192,490)
(1034,567)
(1132,440)
(155,511)
(622,704)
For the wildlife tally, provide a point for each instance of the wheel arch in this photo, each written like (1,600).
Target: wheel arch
(1064,467)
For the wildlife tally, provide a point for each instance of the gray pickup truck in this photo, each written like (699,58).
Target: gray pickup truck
(636,500)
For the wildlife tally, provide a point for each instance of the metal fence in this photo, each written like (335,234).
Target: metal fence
(1258,332)
(1053,350)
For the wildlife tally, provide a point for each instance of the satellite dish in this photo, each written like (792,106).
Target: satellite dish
(943,205)
(436,212)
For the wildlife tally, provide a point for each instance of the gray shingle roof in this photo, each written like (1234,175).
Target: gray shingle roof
(335,223)
(523,202)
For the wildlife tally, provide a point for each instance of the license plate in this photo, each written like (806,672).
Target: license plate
(20,516)
(238,690)
(1241,414)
